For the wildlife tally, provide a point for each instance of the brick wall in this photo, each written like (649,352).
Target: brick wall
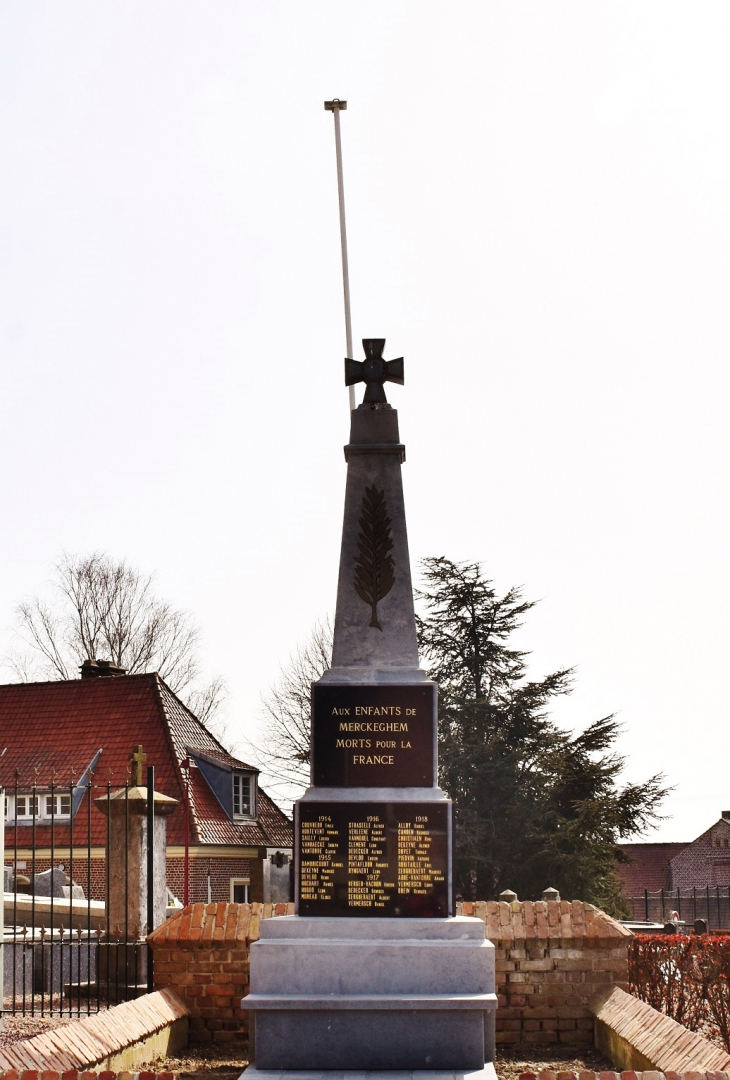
(548,1074)
(551,958)
(633,1035)
(221,872)
(83,1074)
(124,1036)
(201,953)
(704,862)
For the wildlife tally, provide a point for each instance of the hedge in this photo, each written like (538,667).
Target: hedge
(688,978)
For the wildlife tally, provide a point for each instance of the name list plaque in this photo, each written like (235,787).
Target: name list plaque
(376,859)
(374,736)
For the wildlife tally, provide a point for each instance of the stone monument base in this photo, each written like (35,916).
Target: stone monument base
(487,1072)
(371,994)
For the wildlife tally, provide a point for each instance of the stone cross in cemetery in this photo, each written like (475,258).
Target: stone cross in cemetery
(374,971)
(137,761)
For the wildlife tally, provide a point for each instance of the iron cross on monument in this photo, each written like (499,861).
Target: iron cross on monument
(374,371)
(137,760)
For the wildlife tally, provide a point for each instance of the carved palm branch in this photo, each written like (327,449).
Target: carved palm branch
(374,567)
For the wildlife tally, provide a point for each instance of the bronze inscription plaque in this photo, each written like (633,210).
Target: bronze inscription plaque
(376,859)
(374,736)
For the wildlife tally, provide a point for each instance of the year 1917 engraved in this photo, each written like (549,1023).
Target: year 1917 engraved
(373,859)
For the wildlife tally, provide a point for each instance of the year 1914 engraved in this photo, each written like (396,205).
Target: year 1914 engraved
(373,859)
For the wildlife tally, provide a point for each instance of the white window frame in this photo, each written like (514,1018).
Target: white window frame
(59,799)
(27,803)
(246,882)
(240,814)
(24,799)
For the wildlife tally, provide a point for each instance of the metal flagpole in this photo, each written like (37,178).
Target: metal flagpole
(334,107)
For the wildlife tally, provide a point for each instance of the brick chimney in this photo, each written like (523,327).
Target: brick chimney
(726,814)
(95,669)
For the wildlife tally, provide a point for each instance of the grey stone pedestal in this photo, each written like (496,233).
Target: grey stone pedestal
(371,994)
(487,1072)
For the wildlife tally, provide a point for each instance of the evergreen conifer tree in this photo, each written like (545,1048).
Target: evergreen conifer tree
(535,806)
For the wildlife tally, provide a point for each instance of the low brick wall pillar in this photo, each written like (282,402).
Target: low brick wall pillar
(552,957)
(201,953)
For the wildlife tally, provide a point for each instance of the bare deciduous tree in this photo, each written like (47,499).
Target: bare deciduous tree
(283,747)
(104,609)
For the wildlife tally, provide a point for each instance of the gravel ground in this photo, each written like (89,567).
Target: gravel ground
(217,1062)
(227,1061)
(16,1027)
(513,1060)
(224,1062)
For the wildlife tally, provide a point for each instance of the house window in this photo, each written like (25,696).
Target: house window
(58,805)
(239,890)
(26,806)
(42,807)
(242,801)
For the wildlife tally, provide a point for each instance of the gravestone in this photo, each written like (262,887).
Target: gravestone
(49,882)
(74,892)
(374,972)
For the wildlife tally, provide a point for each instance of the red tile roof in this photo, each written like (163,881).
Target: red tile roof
(53,731)
(648,867)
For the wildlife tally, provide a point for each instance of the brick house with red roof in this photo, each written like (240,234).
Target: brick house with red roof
(63,743)
(706,861)
(648,867)
(700,864)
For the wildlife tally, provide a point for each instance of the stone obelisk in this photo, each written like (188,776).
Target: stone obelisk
(374,972)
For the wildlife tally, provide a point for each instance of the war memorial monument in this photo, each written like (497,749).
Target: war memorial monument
(375,971)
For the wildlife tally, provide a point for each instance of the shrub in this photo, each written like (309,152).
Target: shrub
(688,978)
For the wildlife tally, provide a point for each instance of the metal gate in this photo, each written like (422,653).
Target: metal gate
(61,953)
(708,902)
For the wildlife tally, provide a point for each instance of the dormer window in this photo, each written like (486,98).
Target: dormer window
(25,808)
(242,795)
(232,782)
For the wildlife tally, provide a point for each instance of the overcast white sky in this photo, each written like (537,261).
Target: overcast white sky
(537,203)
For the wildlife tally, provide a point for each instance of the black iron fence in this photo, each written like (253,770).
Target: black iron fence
(708,902)
(74,939)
